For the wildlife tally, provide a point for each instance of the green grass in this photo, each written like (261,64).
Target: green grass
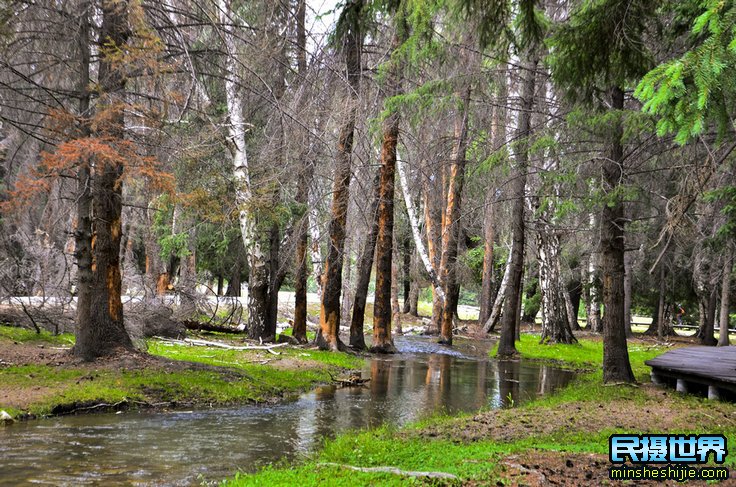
(245,378)
(413,448)
(584,354)
(381,447)
(477,461)
(24,335)
(245,360)
(310,334)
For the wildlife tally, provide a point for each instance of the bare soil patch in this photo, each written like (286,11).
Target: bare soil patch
(541,468)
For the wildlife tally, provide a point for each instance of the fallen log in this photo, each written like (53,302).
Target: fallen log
(198,326)
(352,381)
(393,470)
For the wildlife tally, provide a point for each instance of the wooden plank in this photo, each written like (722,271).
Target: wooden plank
(712,364)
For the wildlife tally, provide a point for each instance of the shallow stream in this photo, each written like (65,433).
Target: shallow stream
(185,447)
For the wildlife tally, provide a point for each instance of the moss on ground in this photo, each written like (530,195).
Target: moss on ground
(563,436)
(171,375)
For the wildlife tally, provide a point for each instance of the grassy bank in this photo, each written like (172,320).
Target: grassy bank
(560,438)
(39,377)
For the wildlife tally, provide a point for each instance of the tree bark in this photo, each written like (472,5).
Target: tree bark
(723,339)
(427,254)
(448,261)
(489,295)
(616,365)
(276,279)
(382,340)
(328,335)
(506,345)
(187,288)
(347,298)
(432,225)
(414,291)
(492,321)
(575,292)
(395,309)
(315,253)
(83,233)
(555,314)
(660,307)
(299,331)
(487,280)
(102,331)
(406,273)
(593,307)
(627,292)
(357,338)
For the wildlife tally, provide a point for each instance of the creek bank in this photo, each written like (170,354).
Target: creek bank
(39,377)
(559,439)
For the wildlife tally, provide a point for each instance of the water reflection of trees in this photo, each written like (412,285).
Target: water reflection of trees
(402,390)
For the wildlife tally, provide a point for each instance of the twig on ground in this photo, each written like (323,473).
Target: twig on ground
(393,470)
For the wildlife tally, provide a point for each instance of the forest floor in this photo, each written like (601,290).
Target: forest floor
(39,376)
(561,439)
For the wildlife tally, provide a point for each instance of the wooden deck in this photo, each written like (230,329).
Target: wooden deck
(693,367)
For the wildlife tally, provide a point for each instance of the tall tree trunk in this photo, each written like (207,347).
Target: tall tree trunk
(315,253)
(272,237)
(575,292)
(492,320)
(365,264)
(723,339)
(448,261)
(187,288)
(710,316)
(299,331)
(258,289)
(274,285)
(328,335)
(426,254)
(220,284)
(347,298)
(258,279)
(433,225)
(705,290)
(489,295)
(661,304)
(414,291)
(487,280)
(555,314)
(616,365)
(102,331)
(234,283)
(382,340)
(593,305)
(627,292)
(506,346)
(83,232)
(406,273)
(395,310)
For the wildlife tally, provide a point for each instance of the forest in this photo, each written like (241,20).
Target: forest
(284,193)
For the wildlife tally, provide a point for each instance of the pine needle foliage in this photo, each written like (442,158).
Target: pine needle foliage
(695,91)
(600,46)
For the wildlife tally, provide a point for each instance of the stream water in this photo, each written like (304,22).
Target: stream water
(186,447)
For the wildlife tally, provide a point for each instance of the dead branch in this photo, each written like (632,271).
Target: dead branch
(393,470)
(207,343)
